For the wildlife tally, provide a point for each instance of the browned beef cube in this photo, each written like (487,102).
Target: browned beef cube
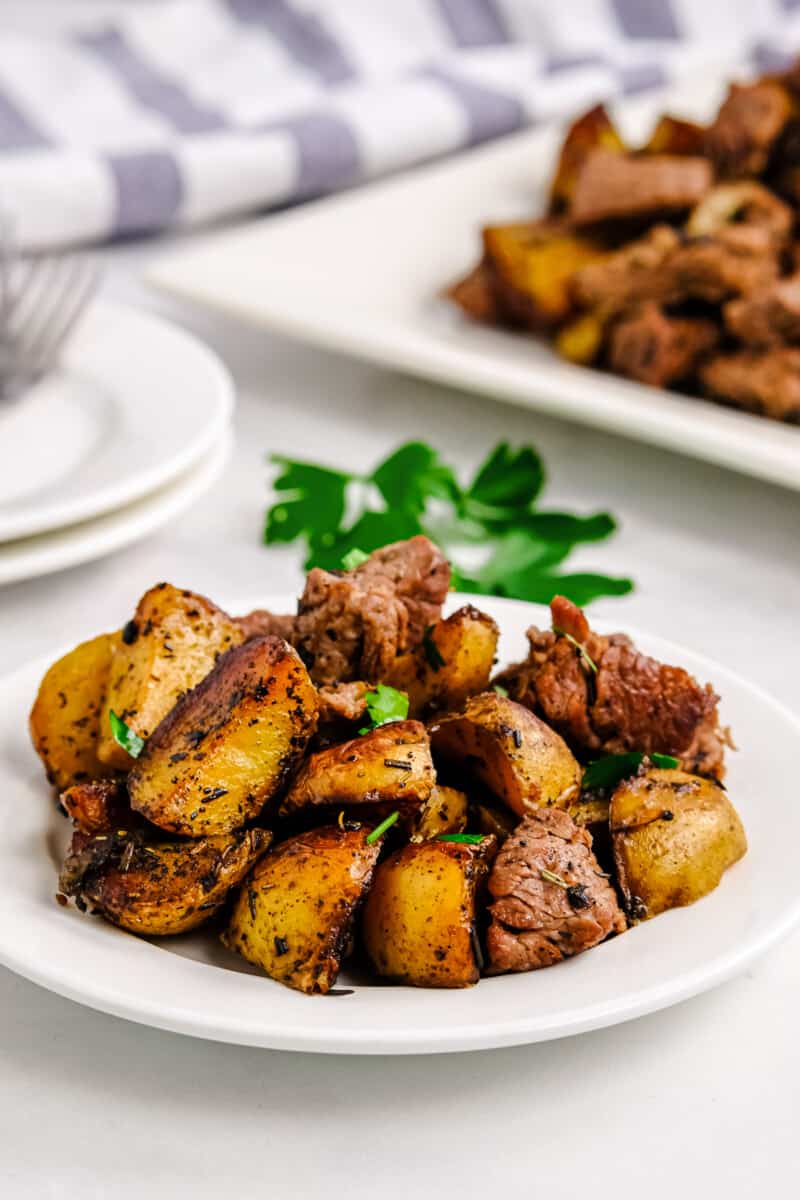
(650,346)
(748,125)
(628,275)
(768,317)
(766,382)
(611,185)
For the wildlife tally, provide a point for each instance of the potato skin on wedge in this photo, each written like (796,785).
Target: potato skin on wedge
(674,835)
(173,641)
(294,914)
(65,720)
(454,661)
(522,761)
(229,745)
(419,919)
(389,765)
(161,888)
(444,812)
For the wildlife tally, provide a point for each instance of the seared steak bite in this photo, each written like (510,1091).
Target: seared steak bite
(610,185)
(768,317)
(650,346)
(747,127)
(627,276)
(343,701)
(766,382)
(605,697)
(261,623)
(734,261)
(351,625)
(550,898)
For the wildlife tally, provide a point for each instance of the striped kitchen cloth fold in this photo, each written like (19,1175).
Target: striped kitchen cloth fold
(191,110)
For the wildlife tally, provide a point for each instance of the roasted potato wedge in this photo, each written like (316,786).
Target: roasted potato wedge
(454,661)
(520,759)
(390,765)
(160,888)
(419,918)
(533,265)
(581,340)
(498,822)
(99,806)
(587,811)
(65,718)
(172,643)
(671,135)
(444,812)
(595,128)
(230,744)
(294,914)
(674,835)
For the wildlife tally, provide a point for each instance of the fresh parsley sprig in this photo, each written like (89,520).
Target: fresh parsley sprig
(124,736)
(494,520)
(383,705)
(605,773)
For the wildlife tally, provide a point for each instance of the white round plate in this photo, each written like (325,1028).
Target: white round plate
(192,985)
(27,558)
(134,403)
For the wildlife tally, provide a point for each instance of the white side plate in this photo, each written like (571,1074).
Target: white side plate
(362,274)
(192,985)
(48,552)
(134,404)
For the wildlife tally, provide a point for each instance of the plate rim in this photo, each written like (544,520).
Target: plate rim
(112,531)
(116,494)
(316,1038)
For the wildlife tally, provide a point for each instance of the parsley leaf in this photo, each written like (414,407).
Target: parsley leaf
(413,475)
(521,547)
(306,491)
(383,705)
(605,773)
(124,736)
(507,480)
(354,558)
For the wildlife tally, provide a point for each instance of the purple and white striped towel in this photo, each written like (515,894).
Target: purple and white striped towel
(190,110)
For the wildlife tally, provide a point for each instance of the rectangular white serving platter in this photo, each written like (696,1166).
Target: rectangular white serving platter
(362,273)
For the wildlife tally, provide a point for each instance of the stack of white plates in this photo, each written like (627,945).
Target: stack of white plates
(127,433)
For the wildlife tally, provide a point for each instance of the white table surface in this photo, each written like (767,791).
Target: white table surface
(702,1099)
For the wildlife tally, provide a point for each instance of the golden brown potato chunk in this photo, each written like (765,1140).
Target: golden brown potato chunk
(390,765)
(65,718)
(520,759)
(230,744)
(419,919)
(672,135)
(444,812)
(172,643)
(533,265)
(674,835)
(162,888)
(581,340)
(592,130)
(294,914)
(454,661)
